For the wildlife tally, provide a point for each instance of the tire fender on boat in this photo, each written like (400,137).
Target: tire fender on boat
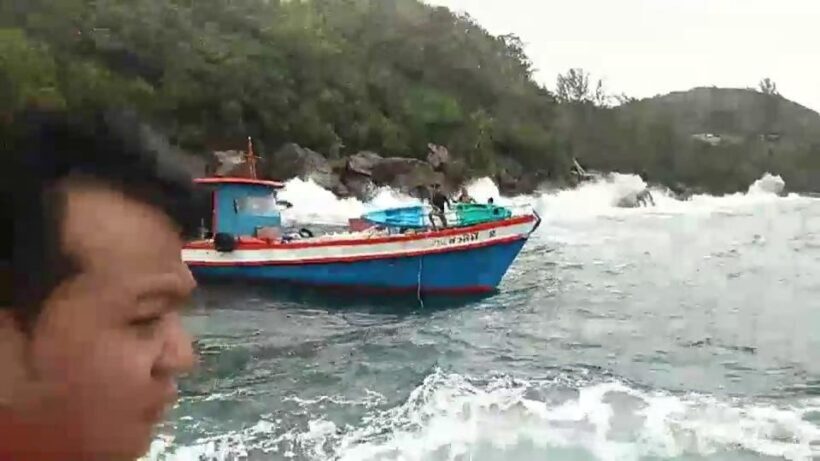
(224,242)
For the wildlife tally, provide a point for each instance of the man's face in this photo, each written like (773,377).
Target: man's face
(98,370)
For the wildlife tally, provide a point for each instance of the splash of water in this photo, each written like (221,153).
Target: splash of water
(313,204)
(768,184)
(591,199)
(451,416)
(457,417)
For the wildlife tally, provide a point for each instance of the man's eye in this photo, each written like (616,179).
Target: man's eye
(146,322)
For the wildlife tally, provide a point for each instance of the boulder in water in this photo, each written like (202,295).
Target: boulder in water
(438,156)
(636,199)
(341,190)
(456,172)
(359,186)
(363,163)
(292,160)
(629,200)
(681,191)
(513,179)
(509,170)
(405,174)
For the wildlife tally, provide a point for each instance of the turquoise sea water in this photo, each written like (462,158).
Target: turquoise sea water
(690,331)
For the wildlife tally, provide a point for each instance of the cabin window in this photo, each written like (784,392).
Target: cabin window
(257,206)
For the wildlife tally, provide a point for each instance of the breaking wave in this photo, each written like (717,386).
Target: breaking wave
(768,184)
(313,204)
(576,414)
(455,417)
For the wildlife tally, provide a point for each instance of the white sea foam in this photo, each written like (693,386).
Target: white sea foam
(450,417)
(313,204)
(454,417)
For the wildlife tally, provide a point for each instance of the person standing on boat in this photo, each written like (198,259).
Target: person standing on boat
(465,197)
(92,286)
(439,201)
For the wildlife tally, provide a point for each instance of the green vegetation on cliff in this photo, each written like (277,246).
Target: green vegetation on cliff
(333,75)
(390,76)
(718,139)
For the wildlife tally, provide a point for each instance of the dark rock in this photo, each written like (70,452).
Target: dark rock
(355,174)
(292,161)
(228,163)
(526,184)
(437,156)
(508,168)
(423,193)
(340,190)
(363,162)
(338,165)
(359,186)
(362,173)
(405,174)
(336,149)
(629,200)
(680,191)
(513,179)
(456,173)
(636,199)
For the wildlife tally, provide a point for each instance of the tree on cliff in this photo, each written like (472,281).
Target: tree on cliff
(768,87)
(770,105)
(390,76)
(574,88)
(382,75)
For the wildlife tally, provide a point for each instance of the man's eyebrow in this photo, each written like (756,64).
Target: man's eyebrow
(170,285)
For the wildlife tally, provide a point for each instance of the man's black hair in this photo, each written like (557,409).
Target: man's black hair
(42,149)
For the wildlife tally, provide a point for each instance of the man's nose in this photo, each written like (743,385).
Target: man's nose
(178,354)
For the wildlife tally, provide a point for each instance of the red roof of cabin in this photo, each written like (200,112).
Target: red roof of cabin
(249,181)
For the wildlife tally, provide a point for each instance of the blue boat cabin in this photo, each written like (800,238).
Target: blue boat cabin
(237,206)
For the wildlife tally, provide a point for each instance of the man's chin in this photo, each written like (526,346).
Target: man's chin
(128,443)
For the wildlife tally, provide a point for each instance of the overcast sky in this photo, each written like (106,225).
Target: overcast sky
(649,47)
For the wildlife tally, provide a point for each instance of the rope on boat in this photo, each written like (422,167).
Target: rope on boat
(418,283)
(537,223)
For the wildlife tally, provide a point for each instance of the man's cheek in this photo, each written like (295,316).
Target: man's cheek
(120,369)
(126,360)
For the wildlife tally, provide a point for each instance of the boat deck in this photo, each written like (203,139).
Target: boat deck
(363,236)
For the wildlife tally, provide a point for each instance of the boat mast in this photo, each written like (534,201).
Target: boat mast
(251,159)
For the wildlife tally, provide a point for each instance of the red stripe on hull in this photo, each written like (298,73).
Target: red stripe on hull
(352,259)
(258,244)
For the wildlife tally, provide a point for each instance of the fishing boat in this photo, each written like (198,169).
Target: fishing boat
(242,238)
